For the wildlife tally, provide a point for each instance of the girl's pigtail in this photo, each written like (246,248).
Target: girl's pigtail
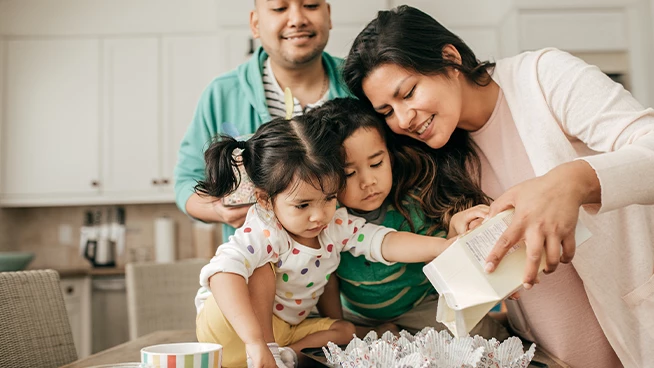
(222,176)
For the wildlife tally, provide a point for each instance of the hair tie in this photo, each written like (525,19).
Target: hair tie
(240,145)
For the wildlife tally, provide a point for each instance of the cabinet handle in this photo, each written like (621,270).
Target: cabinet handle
(69,290)
(164,181)
(155,182)
(95,183)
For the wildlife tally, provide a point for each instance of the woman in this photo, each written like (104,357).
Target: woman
(556,139)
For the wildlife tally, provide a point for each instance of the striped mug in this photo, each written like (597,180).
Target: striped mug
(182,355)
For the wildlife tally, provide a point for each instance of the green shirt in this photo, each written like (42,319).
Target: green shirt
(382,292)
(233,103)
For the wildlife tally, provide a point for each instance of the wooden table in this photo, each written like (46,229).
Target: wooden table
(131,350)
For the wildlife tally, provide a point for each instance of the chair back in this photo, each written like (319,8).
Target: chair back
(35,331)
(160,296)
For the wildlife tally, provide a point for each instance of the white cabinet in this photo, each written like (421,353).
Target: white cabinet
(131,134)
(152,86)
(77,298)
(189,65)
(51,115)
(101,121)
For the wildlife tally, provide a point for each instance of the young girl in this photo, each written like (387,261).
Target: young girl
(380,188)
(294,231)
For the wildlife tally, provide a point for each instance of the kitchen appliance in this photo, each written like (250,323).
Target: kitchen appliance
(104,239)
(108,312)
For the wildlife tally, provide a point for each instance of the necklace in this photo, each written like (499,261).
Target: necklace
(325,85)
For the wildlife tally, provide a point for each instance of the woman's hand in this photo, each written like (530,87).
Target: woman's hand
(546,213)
(260,355)
(467,220)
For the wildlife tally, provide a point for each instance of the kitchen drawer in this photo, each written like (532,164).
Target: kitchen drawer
(573,30)
(72,288)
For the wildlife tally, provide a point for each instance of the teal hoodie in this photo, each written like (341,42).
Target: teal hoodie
(235,100)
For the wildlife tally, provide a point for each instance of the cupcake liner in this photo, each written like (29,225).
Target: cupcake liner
(429,348)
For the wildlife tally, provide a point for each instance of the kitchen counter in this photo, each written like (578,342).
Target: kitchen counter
(88,271)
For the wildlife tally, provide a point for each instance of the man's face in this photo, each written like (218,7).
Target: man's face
(293,32)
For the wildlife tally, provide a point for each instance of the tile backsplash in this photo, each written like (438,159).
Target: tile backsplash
(38,230)
(7,242)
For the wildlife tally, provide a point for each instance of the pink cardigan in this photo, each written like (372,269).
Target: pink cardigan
(554,96)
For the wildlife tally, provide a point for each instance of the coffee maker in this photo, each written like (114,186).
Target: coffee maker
(102,239)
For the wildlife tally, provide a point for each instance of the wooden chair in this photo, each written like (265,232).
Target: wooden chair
(33,320)
(160,296)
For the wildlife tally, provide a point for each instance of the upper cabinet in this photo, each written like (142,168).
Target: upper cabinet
(50,134)
(100,121)
(190,63)
(131,129)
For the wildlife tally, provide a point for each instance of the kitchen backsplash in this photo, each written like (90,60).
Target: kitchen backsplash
(7,242)
(43,230)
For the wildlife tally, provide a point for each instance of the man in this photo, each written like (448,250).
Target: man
(293,34)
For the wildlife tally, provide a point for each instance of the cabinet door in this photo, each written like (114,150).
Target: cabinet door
(77,297)
(131,117)
(50,135)
(189,65)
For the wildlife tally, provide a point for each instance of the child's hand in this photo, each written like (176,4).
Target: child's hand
(467,220)
(260,355)
(438,246)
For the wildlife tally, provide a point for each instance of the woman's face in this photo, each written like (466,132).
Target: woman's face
(424,107)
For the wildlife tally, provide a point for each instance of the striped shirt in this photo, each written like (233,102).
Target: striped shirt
(275,96)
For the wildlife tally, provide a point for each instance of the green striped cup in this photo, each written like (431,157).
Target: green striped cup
(182,355)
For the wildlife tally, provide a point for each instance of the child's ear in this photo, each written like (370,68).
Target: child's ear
(263,199)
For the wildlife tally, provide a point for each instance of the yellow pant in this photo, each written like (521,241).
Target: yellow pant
(212,326)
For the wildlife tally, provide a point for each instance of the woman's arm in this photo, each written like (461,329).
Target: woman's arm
(606,118)
(547,209)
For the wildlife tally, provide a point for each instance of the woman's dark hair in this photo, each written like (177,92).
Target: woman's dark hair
(278,153)
(408,37)
(414,165)
(447,179)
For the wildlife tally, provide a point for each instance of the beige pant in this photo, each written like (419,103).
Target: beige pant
(212,326)
(424,315)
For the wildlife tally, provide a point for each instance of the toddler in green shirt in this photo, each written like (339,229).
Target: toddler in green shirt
(382,187)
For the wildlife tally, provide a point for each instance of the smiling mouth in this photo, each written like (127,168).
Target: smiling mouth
(425,125)
(298,36)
